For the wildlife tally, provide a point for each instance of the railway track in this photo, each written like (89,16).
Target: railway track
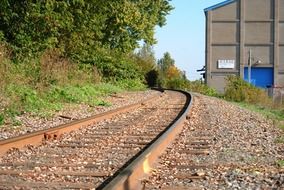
(183,161)
(115,153)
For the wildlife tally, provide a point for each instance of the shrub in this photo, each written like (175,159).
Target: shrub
(240,91)
(176,83)
(198,86)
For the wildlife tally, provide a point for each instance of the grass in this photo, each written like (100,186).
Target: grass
(44,103)
(41,86)
(275,114)
(26,99)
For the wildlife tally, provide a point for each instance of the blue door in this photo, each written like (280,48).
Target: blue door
(260,77)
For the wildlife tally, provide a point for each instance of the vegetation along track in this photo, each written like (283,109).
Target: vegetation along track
(113,154)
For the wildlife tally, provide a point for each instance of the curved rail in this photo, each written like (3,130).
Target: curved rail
(130,177)
(37,137)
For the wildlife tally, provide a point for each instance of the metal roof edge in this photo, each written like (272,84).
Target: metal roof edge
(219,5)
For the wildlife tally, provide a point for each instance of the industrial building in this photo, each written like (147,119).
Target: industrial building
(245,38)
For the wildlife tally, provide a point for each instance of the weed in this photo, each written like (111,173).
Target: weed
(239,90)
(279,140)
(102,103)
(2,119)
(199,87)
(280,163)
(16,122)
(107,88)
(130,84)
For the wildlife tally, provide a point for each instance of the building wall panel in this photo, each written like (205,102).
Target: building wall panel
(259,9)
(280,80)
(228,12)
(256,33)
(218,82)
(225,33)
(281,32)
(264,54)
(281,8)
(281,58)
(224,53)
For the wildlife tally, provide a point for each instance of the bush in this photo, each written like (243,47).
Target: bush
(176,83)
(198,86)
(240,91)
(129,84)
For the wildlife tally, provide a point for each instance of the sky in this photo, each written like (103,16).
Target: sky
(184,35)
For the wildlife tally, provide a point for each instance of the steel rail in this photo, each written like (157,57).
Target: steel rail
(134,172)
(37,137)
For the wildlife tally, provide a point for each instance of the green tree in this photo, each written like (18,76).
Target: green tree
(165,62)
(79,27)
(145,58)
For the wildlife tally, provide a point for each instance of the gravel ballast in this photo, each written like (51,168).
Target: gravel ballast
(243,151)
(29,122)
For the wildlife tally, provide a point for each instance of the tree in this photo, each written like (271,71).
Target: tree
(130,21)
(79,27)
(166,62)
(173,72)
(145,58)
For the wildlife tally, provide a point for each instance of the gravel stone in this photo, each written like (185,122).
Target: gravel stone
(242,151)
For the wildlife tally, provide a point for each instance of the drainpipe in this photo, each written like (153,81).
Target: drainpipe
(249,67)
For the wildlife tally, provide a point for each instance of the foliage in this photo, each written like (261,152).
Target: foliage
(169,75)
(145,59)
(176,83)
(173,72)
(57,51)
(198,86)
(78,27)
(165,62)
(26,99)
(116,66)
(42,89)
(240,91)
